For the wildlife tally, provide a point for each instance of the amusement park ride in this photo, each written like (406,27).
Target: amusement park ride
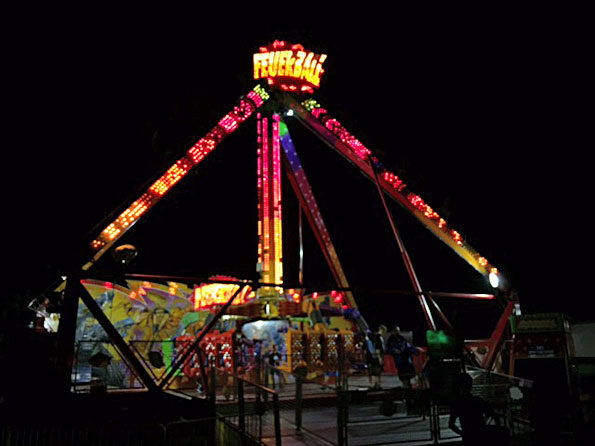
(177,320)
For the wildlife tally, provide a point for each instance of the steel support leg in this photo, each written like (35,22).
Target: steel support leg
(410,271)
(199,338)
(119,342)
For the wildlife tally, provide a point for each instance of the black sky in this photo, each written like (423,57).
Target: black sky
(484,118)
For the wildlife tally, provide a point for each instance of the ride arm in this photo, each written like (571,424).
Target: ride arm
(330,131)
(193,156)
(301,187)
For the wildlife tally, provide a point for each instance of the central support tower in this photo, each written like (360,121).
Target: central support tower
(270,246)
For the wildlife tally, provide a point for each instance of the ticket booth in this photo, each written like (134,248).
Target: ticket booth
(542,351)
(542,343)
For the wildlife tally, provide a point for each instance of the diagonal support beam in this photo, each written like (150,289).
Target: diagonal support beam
(406,259)
(497,337)
(182,359)
(440,312)
(302,189)
(119,342)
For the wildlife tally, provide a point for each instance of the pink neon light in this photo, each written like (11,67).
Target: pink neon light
(256,98)
(318,112)
(259,186)
(229,123)
(269,199)
(265,202)
(244,110)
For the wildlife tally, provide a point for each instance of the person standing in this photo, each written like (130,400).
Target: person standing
(402,353)
(471,411)
(383,335)
(375,357)
(274,363)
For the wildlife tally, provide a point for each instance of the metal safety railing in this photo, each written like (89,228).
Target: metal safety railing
(261,401)
(196,432)
(251,409)
(99,364)
(394,414)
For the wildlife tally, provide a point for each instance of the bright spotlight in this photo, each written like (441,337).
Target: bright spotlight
(494,279)
(289,113)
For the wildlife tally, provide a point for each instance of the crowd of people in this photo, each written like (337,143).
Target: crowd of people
(468,413)
(394,344)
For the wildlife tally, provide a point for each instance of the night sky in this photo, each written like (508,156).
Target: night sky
(483,119)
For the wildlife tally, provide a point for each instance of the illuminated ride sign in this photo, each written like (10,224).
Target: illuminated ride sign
(207,295)
(289,67)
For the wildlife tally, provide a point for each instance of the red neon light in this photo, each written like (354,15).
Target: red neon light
(456,237)
(394,181)
(338,298)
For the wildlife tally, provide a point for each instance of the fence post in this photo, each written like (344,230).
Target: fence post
(260,411)
(166,439)
(213,382)
(434,422)
(341,417)
(277,419)
(241,407)
(298,401)
(266,384)
(340,364)
(258,367)
(266,375)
